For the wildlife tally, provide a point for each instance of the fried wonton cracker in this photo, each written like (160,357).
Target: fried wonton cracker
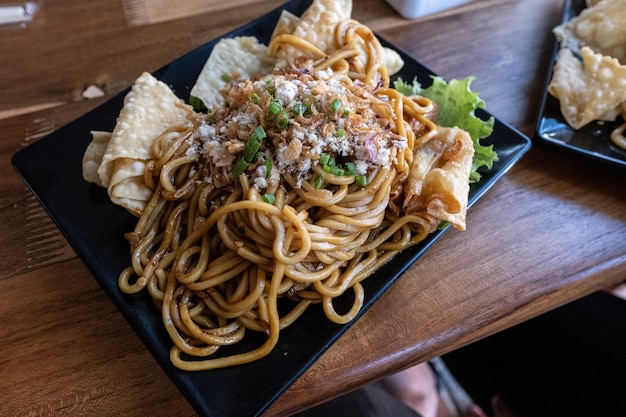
(149,109)
(618,135)
(317,24)
(392,60)
(318,28)
(286,24)
(601,27)
(232,59)
(92,158)
(438,186)
(588,90)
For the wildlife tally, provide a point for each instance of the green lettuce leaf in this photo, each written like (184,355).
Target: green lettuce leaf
(457,104)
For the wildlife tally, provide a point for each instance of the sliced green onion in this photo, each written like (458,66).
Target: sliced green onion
(268,168)
(350,168)
(254,98)
(240,167)
(443,224)
(282,121)
(332,169)
(301,109)
(198,104)
(226,78)
(260,132)
(341,133)
(251,151)
(318,181)
(269,198)
(335,105)
(252,147)
(360,180)
(275,107)
(269,86)
(324,158)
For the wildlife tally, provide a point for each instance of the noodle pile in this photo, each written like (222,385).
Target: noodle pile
(323,199)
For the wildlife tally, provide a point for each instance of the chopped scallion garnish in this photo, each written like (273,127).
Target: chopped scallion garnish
(443,224)
(301,109)
(250,152)
(252,146)
(350,168)
(269,86)
(268,168)
(333,169)
(275,107)
(260,132)
(240,167)
(269,198)
(282,121)
(318,181)
(198,104)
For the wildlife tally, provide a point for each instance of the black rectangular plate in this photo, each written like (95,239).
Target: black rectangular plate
(592,140)
(94,227)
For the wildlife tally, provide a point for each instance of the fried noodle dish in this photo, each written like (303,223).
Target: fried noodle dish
(297,173)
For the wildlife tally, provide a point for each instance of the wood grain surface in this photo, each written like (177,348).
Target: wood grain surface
(550,231)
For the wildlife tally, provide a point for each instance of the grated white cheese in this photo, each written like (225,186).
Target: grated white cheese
(286,91)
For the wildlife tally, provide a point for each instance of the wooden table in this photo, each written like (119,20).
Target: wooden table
(551,231)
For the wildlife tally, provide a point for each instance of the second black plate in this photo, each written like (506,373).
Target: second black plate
(591,141)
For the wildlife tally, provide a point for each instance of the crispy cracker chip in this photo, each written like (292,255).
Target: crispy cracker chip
(588,90)
(150,108)
(392,60)
(317,24)
(127,187)
(438,186)
(316,27)
(606,79)
(286,24)
(92,158)
(234,59)
(569,86)
(602,27)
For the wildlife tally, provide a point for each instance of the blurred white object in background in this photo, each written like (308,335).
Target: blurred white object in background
(412,9)
(17,13)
